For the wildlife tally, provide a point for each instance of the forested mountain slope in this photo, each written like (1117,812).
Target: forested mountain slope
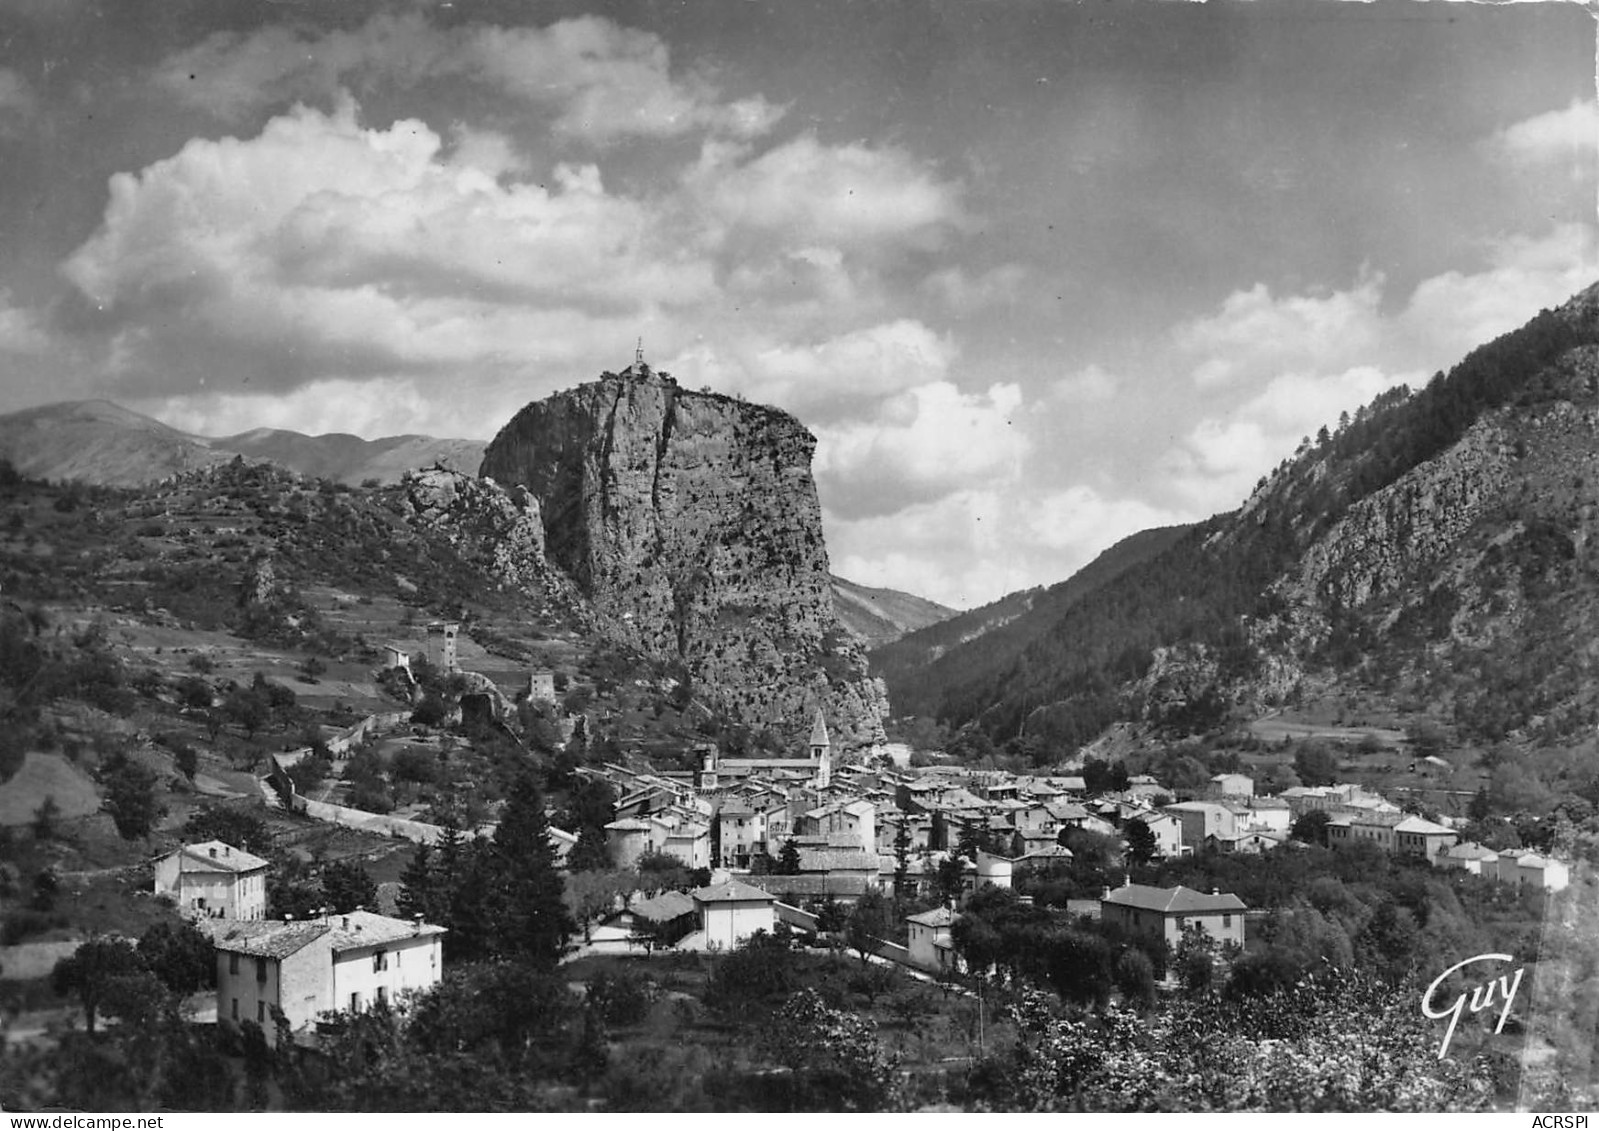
(923,668)
(1439,544)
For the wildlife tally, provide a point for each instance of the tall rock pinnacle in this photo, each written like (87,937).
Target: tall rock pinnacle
(691,522)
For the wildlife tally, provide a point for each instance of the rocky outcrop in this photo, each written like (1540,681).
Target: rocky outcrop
(691,522)
(1385,541)
(501,529)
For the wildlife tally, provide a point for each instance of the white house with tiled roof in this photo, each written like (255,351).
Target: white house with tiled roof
(731,912)
(1232,785)
(1201,819)
(741,832)
(928,938)
(1165,912)
(1166,828)
(1524,867)
(1416,836)
(213,880)
(304,969)
(1468,857)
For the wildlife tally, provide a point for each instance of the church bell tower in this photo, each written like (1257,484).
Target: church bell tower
(821,751)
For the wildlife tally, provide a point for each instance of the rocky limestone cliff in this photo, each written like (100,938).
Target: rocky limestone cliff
(501,529)
(690,521)
(1385,541)
(1481,560)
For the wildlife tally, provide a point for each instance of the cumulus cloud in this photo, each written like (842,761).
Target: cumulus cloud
(1571,135)
(1217,464)
(600,81)
(836,376)
(1256,334)
(843,196)
(1449,314)
(923,444)
(380,407)
(322,249)
(1351,351)
(487,151)
(22,331)
(955,550)
(1083,519)
(981,542)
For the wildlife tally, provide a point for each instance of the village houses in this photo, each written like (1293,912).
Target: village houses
(213,880)
(303,969)
(1166,912)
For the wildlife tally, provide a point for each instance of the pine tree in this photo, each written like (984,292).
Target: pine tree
(469,903)
(451,850)
(1141,844)
(788,860)
(527,912)
(902,858)
(348,886)
(591,853)
(970,842)
(1481,806)
(418,887)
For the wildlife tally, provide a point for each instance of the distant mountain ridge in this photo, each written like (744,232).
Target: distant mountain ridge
(100,442)
(881,616)
(349,459)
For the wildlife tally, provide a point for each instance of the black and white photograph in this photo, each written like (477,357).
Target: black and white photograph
(838,556)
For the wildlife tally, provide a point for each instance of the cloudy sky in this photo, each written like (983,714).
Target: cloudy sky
(1038,274)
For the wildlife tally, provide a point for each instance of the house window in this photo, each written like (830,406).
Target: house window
(1226,920)
(383,995)
(260,1011)
(235,1009)
(233,964)
(380,961)
(355,1003)
(260,969)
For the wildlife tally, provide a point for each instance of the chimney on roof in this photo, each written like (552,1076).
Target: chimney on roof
(1105,894)
(213,853)
(346,922)
(1215,890)
(416,923)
